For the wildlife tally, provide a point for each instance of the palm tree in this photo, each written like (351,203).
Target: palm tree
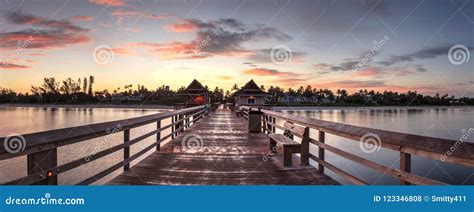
(84,85)
(235,87)
(91,82)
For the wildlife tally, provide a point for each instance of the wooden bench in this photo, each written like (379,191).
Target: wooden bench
(289,145)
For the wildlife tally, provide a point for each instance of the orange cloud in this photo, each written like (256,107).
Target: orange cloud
(370,72)
(176,50)
(224,77)
(81,18)
(266,72)
(184,26)
(113,3)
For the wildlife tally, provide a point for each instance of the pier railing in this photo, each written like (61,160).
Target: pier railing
(456,152)
(41,148)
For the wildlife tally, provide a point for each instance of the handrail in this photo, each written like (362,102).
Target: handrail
(405,144)
(41,147)
(40,141)
(423,146)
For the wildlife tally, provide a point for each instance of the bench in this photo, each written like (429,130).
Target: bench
(289,145)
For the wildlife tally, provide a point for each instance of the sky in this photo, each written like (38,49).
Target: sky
(422,45)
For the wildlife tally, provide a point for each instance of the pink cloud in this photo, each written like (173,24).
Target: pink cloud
(121,15)
(266,72)
(13,66)
(113,3)
(81,18)
(130,29)
(369,72)
(184,26)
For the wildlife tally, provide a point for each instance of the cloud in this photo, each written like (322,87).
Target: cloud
(427,53)
(185,25)
(223,37)
(264,56)
(130,29)
(370,72)
(291,81)
(250,64)
(353,84)
(113,3)
(13,66)
(81,18)
(57,34)
(266,72)
(121,15)
(224,77)
(22,19)
(281,77)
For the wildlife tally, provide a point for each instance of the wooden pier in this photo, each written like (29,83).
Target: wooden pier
(223,147)
(224,154)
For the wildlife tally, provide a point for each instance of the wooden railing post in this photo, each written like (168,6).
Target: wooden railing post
(321,139)
(265,123)
(126,149)
(40,161)
(305,147)
(405,165)
(181,123)
(172,127)
(273,122)
(158,135)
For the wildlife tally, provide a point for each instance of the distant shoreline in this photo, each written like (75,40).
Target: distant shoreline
(87,106)
(363,107)
(167,107)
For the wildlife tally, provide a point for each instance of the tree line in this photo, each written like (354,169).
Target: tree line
(81,91)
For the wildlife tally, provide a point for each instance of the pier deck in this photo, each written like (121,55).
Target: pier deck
(224,154)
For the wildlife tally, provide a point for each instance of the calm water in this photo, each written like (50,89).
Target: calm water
(440,122)
(436,122)
(34,119)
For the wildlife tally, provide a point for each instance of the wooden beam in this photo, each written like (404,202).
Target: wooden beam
(158,135)
(405,165)
(126,149)
(41,161)
(321,139)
